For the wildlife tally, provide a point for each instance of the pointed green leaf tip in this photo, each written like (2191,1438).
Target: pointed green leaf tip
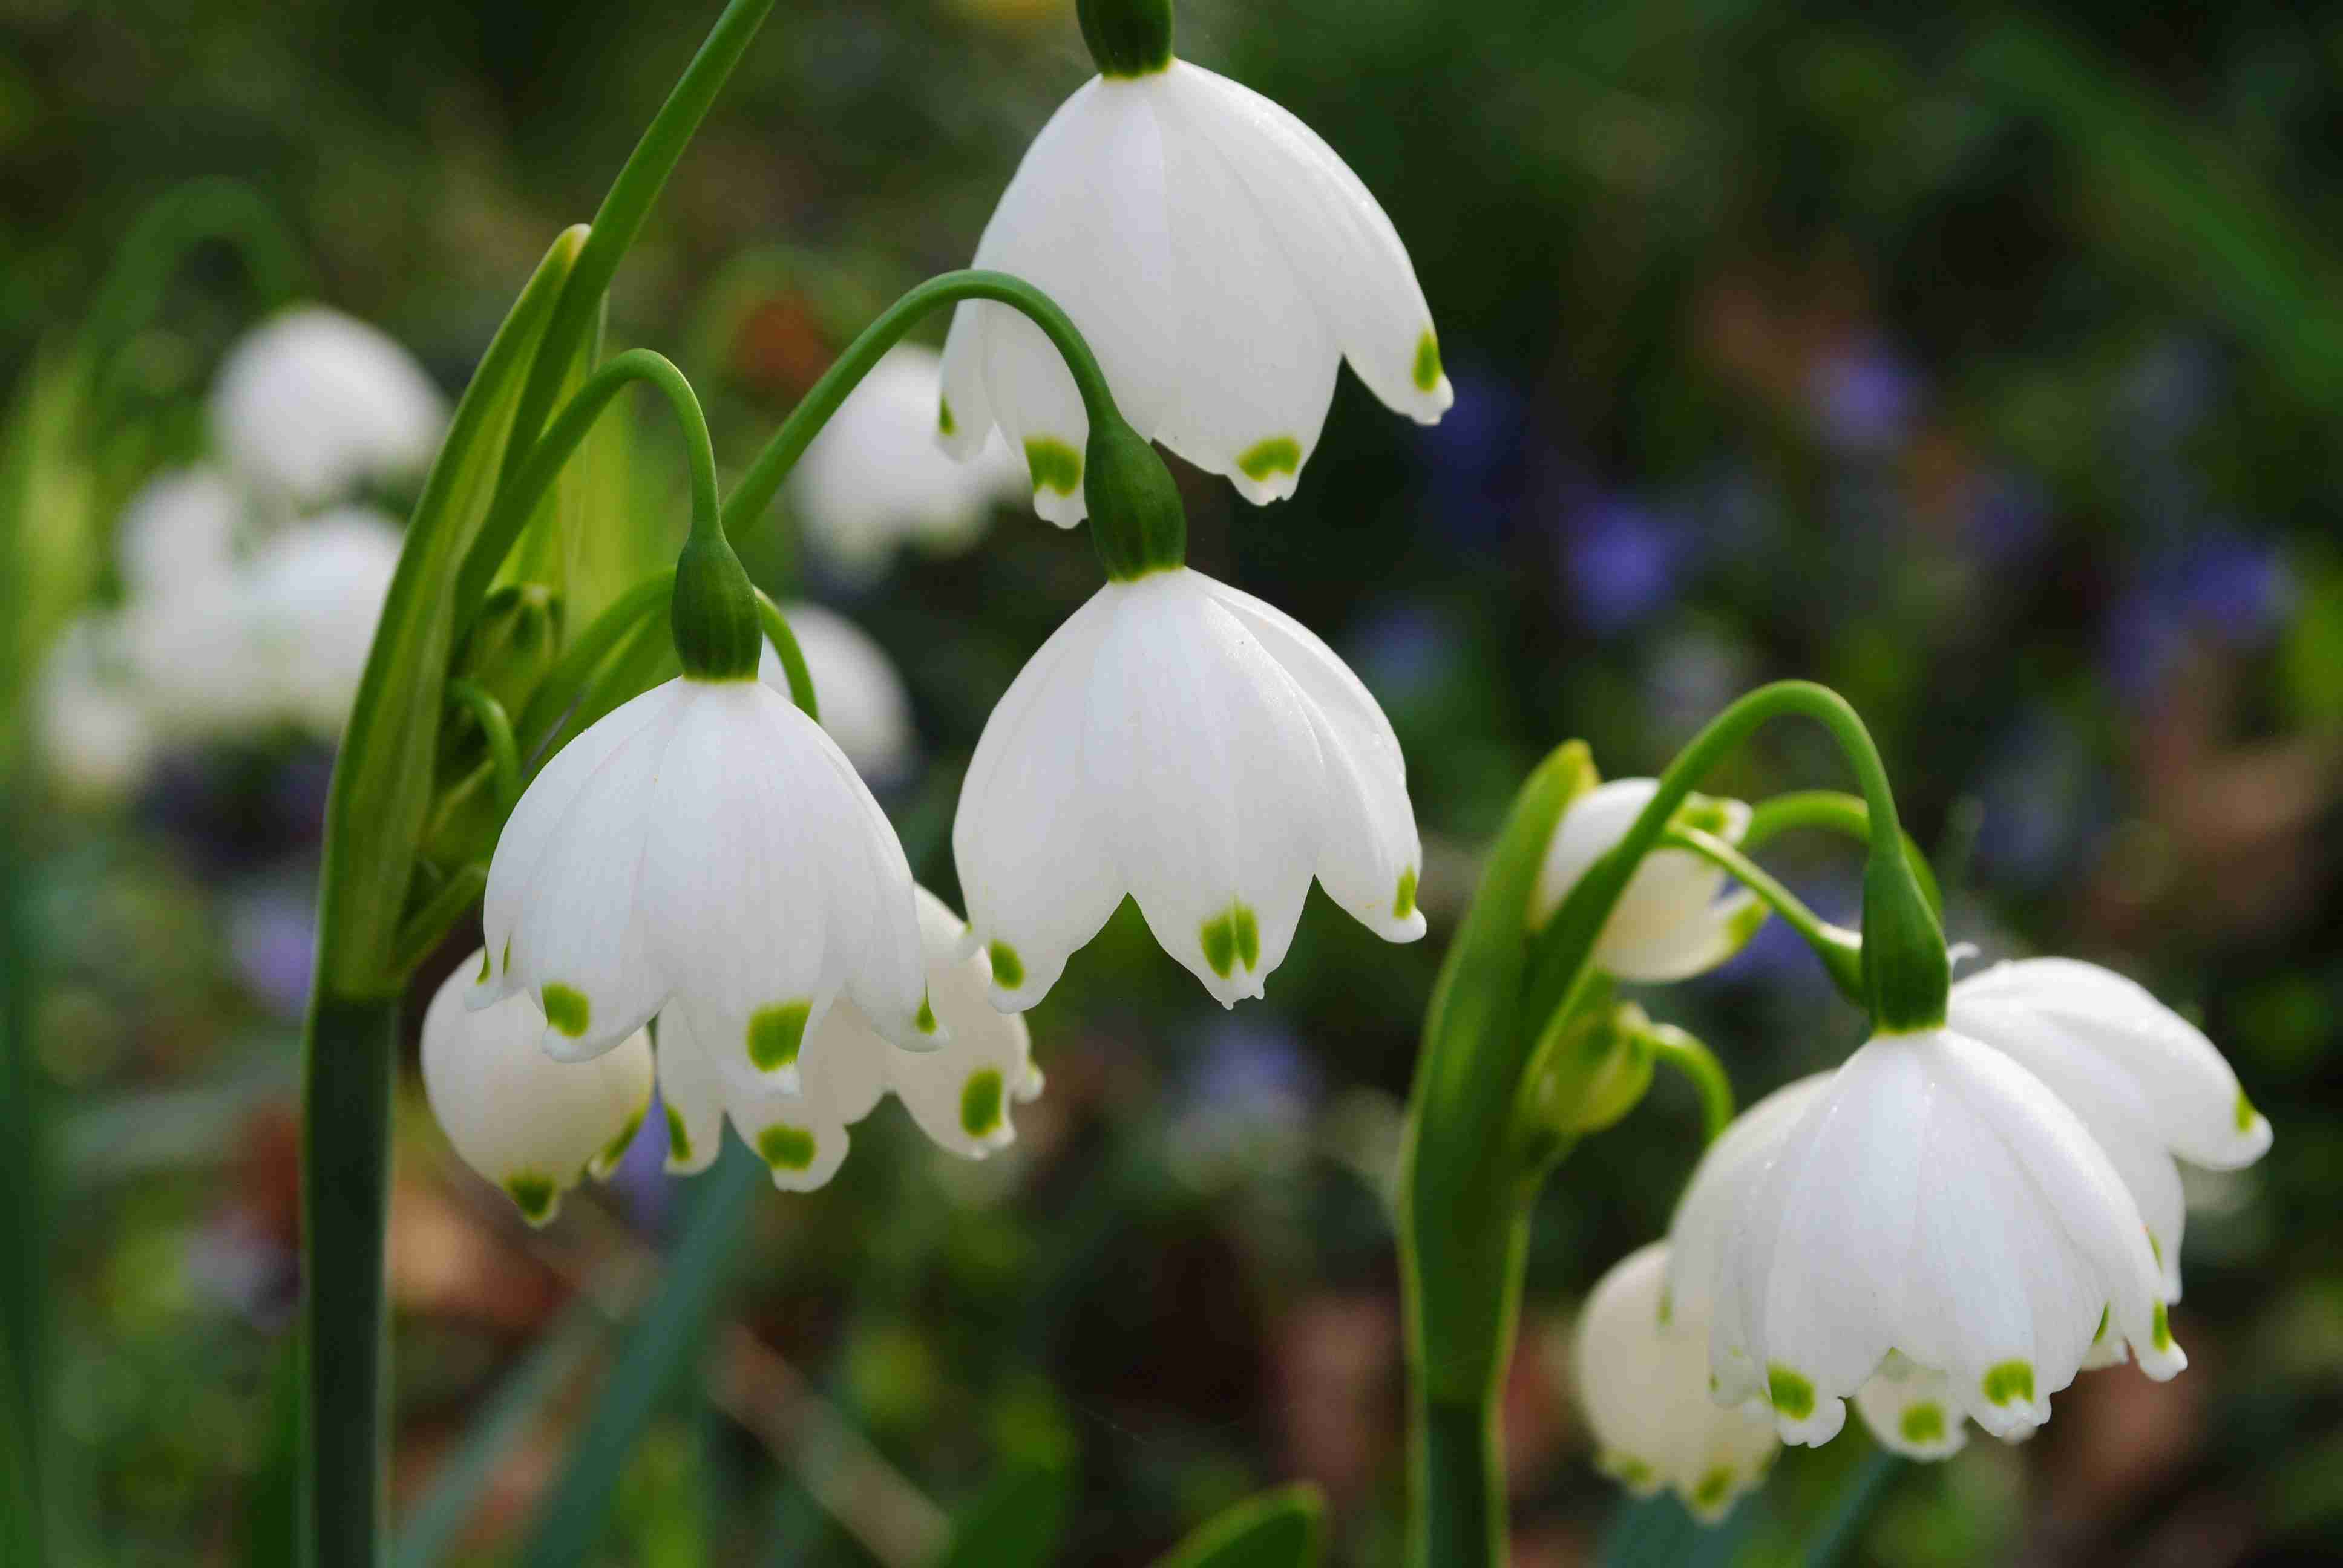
(2006,1382)
(1008,968)
(1791,1393)
(678,1138)
(1232,939)
(1404,897)
(786,1148)
(775,1033)
(1279,1529)
(1278,454)
(534,1195)
(1922,1424)
(980,1104)
(566,1008)
(1053,465)
(1427,362)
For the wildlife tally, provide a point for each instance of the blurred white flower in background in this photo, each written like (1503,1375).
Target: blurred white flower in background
(312,402)
(875,479)
(863,704)
(181,527)
(93,725)
(312,596)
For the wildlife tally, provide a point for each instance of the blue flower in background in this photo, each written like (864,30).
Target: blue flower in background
(2041,797)
(1403,652)
(2008,518)
(1477,460)
(1623,562)
(1865,399)
(2223,587)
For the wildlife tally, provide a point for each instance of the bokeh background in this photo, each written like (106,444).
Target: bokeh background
(1987,366)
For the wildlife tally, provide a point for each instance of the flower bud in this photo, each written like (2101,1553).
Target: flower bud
(1137,520)
(1597,1075)
(717,634)
(512,643)
(1127,37)
(1669,923)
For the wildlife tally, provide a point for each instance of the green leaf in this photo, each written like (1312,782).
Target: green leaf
(1279,1529)
(1016,1523)
(49,545)
(382,782)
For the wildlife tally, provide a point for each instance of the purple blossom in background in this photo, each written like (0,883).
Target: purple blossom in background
(1622,560)
(1402,652)
(1244,1064)
(1865,399)
(271,942)
(2008,518)
(641,1182)
(2222,587)
(1777,955)
(2041,796)
(1476,460)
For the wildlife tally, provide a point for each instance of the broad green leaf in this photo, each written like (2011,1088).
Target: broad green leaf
(1016,1523)
(1279,1529)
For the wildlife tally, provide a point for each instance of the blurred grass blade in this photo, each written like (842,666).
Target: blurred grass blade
(660,1349)
(433,1528)
(1279,1529)
(26,1489)
(1017,1522)
(1861,1491)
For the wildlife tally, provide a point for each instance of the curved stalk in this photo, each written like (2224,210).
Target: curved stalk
(754,490)
(503,756)
(1835,812)
(793,664)
(1686,1053)
(1840,951)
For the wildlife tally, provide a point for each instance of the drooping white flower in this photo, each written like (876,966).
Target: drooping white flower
(704,845)
(180,527)
(529,1123)
(312,402)
(312,596)
(959,1094)
(197,663)
(1910,1410)
(1641,1373)
(1932,1198)
(875,478)
(863,704)
(1220,260)
(1186,744)
(1672,922)
(93,724)
(2147,1084)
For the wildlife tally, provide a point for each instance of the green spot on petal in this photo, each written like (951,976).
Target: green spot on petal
(1403,898)
(2160,1328)
(678,1137)
(1668,1306)
(1427,362)
(1922,1424)
(2101,1332)
(1219,936)
(535,1194)
(1715,1487)
(485,970)
(1792,1394)
(567,1009)
(2006,1382)
(775,1033)
(616,1149)
(2155,1248)
(924,1021)
(1627,1470)
(1008,968)
(2245,1112)
(1248,935)
(944,416)
(786,1148)
(1053,465)
(505,961)
(1278,454)
(980,1104)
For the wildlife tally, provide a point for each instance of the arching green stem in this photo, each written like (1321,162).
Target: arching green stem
(1688,1056)
(755,490)
(1840,951)
(1835,812)
(521,492)
(793,664)
(489,714)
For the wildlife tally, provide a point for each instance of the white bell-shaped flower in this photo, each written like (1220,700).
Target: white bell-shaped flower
(706,845)
(2146,1083)
(192,649)
(1641,1373)
(1910,1410)
(529,1123)
(91,716)
(1186,744)
(1672,921)
(959,1094)
(313,595)
(863,704)
(181,527)
(312,402)
(1220,260)
(1932,1198)
(875,477)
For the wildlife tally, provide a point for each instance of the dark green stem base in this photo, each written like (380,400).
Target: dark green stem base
(351,1048)
(1459,1506)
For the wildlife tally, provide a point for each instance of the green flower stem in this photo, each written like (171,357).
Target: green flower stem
(557,692)
(345,1214)
(519,494)
(503,756)
(1840,951)
(1680,1051)
(1835,812)
(793,664)
(1461,1512)
(755,490)
(425,926)
(620,217)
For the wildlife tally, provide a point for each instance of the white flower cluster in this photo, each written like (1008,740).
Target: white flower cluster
(249,589)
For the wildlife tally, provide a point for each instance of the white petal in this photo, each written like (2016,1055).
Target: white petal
(960,1095)
(884,973)
(1911,1411)
(963,420)
(1711,1202)
(530,1124)
(1669,923)
(1034,860)
(1208,777)
(692,1091)
(864,706)
(1337,238)
(180,527)
(1257,359)
(312,401)
(1644,1385)
(798,1139)
(2201,1112)
(1369,854)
